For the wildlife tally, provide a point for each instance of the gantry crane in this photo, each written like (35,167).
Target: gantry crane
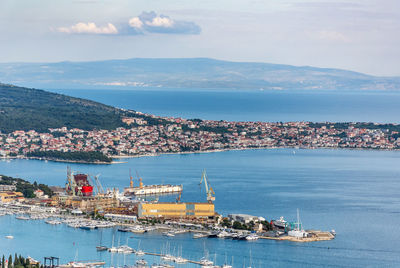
(99,187)
(209,190)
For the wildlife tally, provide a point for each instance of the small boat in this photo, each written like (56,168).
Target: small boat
(9,237)
(223,234)
(213,235)
(170,234)
(124,249)
(180,260)
(200,235)
(180,231)
(53,222)
(252,237)
(139,252)
(22,218)
(101,248)
(167,257)
(137,229)
(141,263)
(205,262)
(113,249)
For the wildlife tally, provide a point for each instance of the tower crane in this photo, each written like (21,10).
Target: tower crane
(131,179)
(209,190)
(99,187)
(140,180)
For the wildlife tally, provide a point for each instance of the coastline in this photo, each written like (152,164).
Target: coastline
(62,160)
(247,149)
(187,152)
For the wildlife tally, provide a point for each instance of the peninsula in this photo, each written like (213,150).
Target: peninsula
(39,124)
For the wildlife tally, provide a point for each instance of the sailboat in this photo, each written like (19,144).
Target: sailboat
(9,236)
(101,247)
(139,252)
(226,265)
(179,259)
(125,248)
(112,248)
(205,260)
(167,256)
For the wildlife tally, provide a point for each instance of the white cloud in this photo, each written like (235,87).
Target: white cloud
(88,28)
(160,22)
(135,22)
(151,22)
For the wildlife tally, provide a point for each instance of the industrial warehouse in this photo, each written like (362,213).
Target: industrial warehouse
(85,193)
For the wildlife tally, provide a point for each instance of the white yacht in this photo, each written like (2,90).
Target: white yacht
(252,237)
(205,262)
(139,252)
(180,260)
(281,223)
(223,234)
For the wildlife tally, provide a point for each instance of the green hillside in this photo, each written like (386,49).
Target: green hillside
(27,109)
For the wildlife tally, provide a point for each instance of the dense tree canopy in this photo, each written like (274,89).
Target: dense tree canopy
(33,109)
(72,156)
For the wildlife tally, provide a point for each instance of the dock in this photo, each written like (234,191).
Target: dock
(315,236)
(82,264)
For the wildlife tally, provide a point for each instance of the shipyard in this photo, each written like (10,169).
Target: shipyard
(84,204)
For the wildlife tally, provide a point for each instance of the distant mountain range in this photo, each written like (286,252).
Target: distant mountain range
(188,73)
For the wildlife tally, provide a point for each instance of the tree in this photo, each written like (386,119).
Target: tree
(3,262)
(10,261)
(22,260)
(238,225)
(16,260)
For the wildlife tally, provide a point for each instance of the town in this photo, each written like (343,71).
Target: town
(151,135)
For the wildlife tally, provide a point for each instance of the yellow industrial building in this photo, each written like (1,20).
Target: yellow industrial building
(86,203)
(176,210)
(6,197)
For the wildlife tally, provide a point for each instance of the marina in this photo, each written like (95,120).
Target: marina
(317,214)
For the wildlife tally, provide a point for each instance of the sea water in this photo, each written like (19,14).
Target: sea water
(354,192)
(250,105)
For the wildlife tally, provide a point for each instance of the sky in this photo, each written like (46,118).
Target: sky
(359,35)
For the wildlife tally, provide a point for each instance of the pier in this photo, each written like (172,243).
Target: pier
(315,236)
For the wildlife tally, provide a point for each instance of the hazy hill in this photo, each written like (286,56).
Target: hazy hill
(26,109)
(188,73)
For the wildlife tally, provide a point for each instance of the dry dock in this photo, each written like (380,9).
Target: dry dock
(315,236)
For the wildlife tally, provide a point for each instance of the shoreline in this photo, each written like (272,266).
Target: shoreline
(247,149)
(188,152)
(62,160)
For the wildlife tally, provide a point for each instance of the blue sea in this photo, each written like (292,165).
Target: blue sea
(271,106)
(355,192)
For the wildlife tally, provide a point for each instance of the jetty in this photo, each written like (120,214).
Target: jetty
(314,235)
